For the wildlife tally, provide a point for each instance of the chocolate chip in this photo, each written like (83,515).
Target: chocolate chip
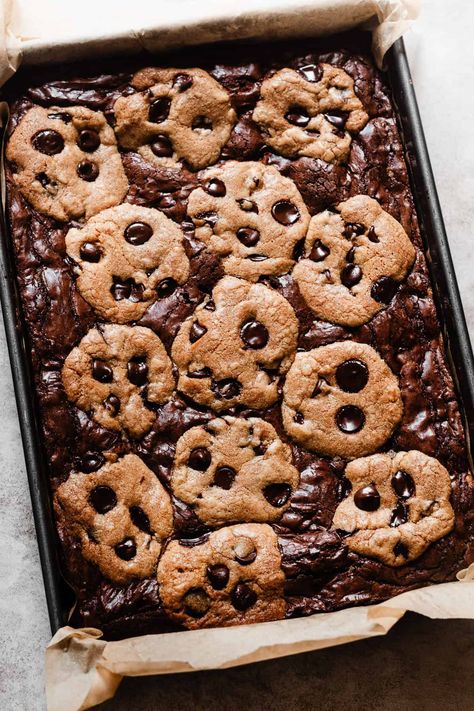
(328,276)
(224,477)
(319,251)
(351,275)
(161,146)
(350,419)
(202,122)
(87,170)
(43,179)
(260,449)
(257,257)
(138,233)
(126,289)
(353,229)
(403,484)
(197,331)
(352,375)
(367,498)
(277,494)
(226,389)
(140,519)
(137,370)
(166,287)
(48,141)
(218,576)
(183,81)
(243,597)
(318,387)
(311,72)
(166,202)
(298,116)
(90,252)
(62,116)
(298,417)
(245,551)
(285,212)
(101,371)
(199,459)
(401,549)
(88,140)
(247,205)
(254,334)
(372,235)
(210,305)
(126,550)
(201,373)
(196,602)
(399,515)
(206,218)
(298,249)
(344,488)
(102,499)
(91,461)
(248,236)
(337,118)
(159,109)
(351,255)
(112,405)
(384,289)
(215,187)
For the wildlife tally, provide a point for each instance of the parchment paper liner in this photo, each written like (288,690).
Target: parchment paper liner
(81,669)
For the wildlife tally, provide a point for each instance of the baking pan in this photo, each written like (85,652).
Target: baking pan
(58,594)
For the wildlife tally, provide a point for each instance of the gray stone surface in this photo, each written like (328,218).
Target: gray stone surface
(421,665)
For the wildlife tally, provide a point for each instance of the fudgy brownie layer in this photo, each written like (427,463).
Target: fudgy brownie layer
(322,574)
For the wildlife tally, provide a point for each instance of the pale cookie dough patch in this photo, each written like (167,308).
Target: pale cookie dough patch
(235,346)
(310,113)
(126,258)
(232,577)
(251,216)
(398,506)
(66,163)
(341,400)
(234,470)
(121,514)
(353,261)
(113,371)
(177,114)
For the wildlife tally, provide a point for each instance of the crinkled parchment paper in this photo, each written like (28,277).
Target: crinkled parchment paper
(81,669)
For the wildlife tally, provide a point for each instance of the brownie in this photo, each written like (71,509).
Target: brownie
(244,397)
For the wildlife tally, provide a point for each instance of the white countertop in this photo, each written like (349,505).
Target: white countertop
(441,53)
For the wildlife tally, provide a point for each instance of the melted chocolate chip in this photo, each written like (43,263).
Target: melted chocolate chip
(202,122)
(218,576)
(353,229)
(297,116)
(285,212)
(401,549)
(166,202)
(196,602)
(159,109)
(140,519)
(277,494)
(90,252)
(166,287)
(403,484)
(243,597)
(298,249)
(248,236)
(352,375)
(126,289)
(254,334)
(246,559)
(319,251)
(367,498)
(137,370)
(102,499)
(350,419)
(91,462)
(101,371)
(138,233)
(337,118)
(351,275)
(384,289)
(226,389)
(224,477)
(48,141)
(182,82)
(344,488)
(201,373)
(399,515)
(298,418)
(199,459)
(112,405)
(372,235)
(87,170)
(88,140)
(61,116)
(311,72)
(161,146)
(215,187)
(197,331)
(126,550)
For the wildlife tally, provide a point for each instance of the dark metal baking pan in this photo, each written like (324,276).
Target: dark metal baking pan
(451,314)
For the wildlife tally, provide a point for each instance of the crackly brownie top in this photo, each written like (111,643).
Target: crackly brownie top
(240,375)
